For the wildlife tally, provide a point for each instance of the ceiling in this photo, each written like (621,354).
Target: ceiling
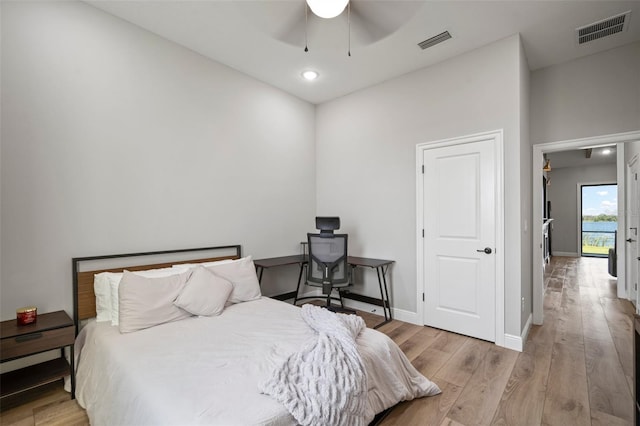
(265,39)
(578,157)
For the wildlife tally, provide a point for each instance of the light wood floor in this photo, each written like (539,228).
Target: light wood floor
(576,369)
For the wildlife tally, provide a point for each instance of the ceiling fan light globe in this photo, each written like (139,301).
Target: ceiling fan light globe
(327,8)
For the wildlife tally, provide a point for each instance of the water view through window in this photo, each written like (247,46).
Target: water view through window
(599,219)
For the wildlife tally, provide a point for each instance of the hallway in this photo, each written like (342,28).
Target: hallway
(591,359)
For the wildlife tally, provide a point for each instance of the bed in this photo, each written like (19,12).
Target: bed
(210,369)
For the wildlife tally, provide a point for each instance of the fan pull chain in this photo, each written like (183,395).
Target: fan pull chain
(349,21)
(306,18)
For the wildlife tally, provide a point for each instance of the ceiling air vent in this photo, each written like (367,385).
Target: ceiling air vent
(434,40)
(603,28)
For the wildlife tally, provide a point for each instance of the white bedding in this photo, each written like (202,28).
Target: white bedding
(207,370)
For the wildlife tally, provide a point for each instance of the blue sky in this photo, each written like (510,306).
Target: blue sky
(599,199)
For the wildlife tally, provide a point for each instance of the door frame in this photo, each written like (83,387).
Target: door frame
(630,263)
(538,162)
(497,137)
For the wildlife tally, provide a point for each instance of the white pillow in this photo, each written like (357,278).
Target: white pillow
(102,290)
(154,273)
(147,302)
(204,294)
(114,282)
(185,266)
(242,274)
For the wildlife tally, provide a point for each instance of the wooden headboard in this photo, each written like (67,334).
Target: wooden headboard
(84,298)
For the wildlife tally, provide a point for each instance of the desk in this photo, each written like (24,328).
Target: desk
(380,265)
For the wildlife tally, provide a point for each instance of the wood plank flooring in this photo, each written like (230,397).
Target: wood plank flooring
(576,369)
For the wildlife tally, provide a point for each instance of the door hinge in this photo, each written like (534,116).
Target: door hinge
(635,175)
(423,297)
(423,169)
(635,286)
(423,233)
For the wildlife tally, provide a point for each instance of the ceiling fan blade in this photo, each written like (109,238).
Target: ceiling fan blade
(281,20)
(371,21)
(374,20)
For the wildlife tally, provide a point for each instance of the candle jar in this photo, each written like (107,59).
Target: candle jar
(27,315)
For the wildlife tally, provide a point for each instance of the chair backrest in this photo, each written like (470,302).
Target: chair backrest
(328,259)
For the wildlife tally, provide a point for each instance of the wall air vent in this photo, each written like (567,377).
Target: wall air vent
(434,40)
(603,28)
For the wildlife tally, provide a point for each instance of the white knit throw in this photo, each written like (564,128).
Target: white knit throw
(325,383)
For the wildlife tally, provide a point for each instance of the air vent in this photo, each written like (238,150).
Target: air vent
(434,40)
(603,28)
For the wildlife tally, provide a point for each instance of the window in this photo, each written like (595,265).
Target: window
(599,222)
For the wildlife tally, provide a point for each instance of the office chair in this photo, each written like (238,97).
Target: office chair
(328,266)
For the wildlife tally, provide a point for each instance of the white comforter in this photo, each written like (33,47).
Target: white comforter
(207,370)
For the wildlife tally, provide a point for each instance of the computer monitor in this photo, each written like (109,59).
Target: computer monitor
(327,224)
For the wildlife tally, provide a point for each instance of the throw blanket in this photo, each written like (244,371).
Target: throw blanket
(325,383)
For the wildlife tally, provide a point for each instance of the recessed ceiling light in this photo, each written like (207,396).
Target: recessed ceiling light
(606,151)
(310,75)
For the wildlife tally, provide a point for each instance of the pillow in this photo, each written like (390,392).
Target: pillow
(185,266)
(102,290)
(204,293)
(161,272)
(145,302)
(114,282)
(242,274)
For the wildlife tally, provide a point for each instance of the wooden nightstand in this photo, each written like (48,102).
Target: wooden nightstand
(54,330)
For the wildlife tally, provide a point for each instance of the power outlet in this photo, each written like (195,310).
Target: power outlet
(522,304)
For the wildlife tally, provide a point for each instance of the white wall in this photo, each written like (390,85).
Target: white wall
(591,96)
(563,194)
(115,140)
(366,157)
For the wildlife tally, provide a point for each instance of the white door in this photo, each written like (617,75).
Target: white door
(631,234)
(459,184)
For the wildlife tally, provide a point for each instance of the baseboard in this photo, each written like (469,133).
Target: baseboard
(311,293)
(565,254)
(407,316)
(398,314)
(516,343)
(284,296)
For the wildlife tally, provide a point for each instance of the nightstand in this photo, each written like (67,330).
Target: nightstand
(54,330)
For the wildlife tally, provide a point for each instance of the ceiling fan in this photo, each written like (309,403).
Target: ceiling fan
(364,21)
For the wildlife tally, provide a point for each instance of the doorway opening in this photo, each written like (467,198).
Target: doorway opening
(539,150)
(598,219)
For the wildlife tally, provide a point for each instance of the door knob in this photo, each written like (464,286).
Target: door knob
(486,250)
(630,240)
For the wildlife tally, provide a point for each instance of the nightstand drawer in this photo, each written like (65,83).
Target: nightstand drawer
(27,344)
